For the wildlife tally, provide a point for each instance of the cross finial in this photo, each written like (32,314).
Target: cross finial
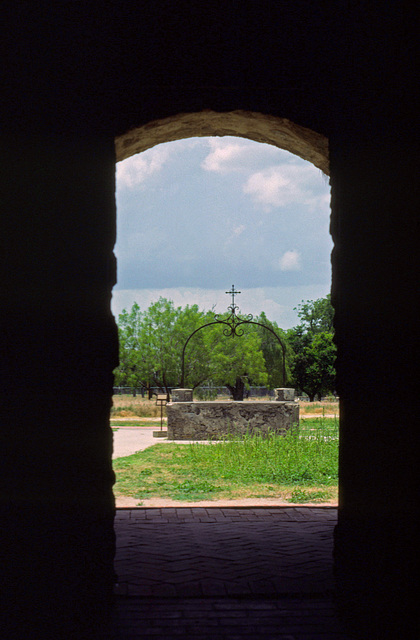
(232,292)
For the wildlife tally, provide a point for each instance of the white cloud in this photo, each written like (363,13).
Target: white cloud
(290,261)
(238,154)
(285,184)
(223,156)
(135,170)
(278,186)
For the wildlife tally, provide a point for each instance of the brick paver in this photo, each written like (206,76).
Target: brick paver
(226,573)
(229,619)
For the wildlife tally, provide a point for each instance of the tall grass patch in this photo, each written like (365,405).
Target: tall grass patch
(305,455)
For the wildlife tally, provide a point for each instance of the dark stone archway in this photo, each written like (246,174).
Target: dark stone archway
(259,127)
(77,78)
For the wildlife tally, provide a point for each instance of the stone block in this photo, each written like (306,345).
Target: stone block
(182,395)
(216,420)
(284,395)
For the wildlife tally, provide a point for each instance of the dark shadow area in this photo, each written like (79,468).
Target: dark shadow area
(226,573)
(213,551)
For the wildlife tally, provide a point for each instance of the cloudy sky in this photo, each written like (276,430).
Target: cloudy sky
(198,215)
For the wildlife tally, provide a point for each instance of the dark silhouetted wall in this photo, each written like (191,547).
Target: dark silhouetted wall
(76,76)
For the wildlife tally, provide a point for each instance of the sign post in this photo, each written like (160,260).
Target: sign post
(161,400)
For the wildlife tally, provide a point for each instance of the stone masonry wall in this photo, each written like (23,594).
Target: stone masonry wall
(213,420)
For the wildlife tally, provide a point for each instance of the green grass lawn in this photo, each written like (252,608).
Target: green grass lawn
(298,467)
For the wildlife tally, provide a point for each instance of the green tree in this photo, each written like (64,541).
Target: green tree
(196,361)
(129,326)
(151,344)
(277,357)
(313,367)
(316,315)
(314,349)
(235,362)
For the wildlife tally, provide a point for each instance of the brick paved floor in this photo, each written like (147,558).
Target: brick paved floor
(226,573)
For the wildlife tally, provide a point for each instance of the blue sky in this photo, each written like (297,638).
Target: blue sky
(198,215)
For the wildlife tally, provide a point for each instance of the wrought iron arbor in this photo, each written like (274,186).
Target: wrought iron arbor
(233,324)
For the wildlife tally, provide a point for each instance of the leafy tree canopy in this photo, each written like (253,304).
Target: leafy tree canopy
(314,350)
(313,366)
(235,362)
(274,352)
(316,315)
(152,341)
(151,344)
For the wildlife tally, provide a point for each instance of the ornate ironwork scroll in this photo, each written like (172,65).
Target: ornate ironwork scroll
(233,328)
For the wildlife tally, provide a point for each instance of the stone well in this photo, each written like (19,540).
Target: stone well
(189,420)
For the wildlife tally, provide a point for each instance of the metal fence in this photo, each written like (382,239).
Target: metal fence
(210,391)
(134,391)
(253,392)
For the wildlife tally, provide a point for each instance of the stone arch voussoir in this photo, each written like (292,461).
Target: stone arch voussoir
(280,132)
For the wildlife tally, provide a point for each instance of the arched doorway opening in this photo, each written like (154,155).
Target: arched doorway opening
(275,133)
(257,127)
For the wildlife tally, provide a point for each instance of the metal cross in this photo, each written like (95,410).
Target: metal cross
(232,292)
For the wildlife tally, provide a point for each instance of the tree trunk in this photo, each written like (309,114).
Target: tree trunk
(238,390)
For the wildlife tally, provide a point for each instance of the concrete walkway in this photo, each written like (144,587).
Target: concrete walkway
(226,574)
(129,440)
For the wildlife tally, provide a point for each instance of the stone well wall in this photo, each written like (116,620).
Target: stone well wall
(214,420)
